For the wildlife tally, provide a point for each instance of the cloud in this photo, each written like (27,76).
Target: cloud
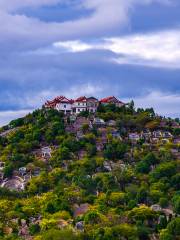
(18,4)
(33,32)
(7,116)
(160,49)
(73,46)
(19,31)
(165,104)
(86,89)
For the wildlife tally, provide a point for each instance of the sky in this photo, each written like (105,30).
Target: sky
(126,48)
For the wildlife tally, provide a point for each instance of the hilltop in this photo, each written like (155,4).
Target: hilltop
(110,173)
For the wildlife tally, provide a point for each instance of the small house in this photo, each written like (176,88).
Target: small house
(80,226)
(167,135)
(46,152)
(111,100)
(92,104)
(111,123)
(107,166)
(156,207)
(61,104)
(22,171)
(99,122)
(175,125)
(165,141)
(157,134)
(72,118)
(146,135)
(134,137)
(80,105)
(154,140)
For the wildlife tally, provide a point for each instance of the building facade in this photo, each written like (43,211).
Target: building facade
(112,100)
(65,105)
(61,104)
(92,104)
(81,104)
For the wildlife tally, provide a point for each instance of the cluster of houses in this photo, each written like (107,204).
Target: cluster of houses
(70,106)
(152,137)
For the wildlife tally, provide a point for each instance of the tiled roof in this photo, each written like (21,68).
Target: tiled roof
(81,99)
(92,98)
(63,99)
(109,99)
(59,99)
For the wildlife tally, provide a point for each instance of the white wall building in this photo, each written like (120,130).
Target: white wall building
(61,104)
(80,105)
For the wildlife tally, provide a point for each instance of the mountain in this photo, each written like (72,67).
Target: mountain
(112,174)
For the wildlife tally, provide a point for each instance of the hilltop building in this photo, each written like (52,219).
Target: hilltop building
(111,100)
(80,105)
(92,104)
(70,106)
(61,103)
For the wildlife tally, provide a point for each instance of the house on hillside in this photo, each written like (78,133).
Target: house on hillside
(22,171)
(80,105)
(112,100)
(134,137)
(175,125)
(146,135)
(46,152)
(111,123)
(99,122)
(167,135)
(61,104)
(92,104)
(157,134)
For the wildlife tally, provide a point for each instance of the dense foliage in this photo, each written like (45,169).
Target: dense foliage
(85,193)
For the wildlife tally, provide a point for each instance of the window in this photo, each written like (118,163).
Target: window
(78,110)
(64,106)
(78,104)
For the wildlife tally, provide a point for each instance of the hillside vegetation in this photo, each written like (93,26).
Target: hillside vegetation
(85,179)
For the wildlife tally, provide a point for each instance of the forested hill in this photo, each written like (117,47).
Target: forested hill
(112,175)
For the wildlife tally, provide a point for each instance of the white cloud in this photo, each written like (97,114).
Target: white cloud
(73,46)
(106,15)
(86,89)
(7,116)
(35,100)
(165,104)
(160,49)
(16,4)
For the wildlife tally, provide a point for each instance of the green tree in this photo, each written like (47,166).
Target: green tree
(92,217)
(8,170)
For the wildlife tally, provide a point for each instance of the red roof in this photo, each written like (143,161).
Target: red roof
(81,99)
(59,99)
(110,99)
